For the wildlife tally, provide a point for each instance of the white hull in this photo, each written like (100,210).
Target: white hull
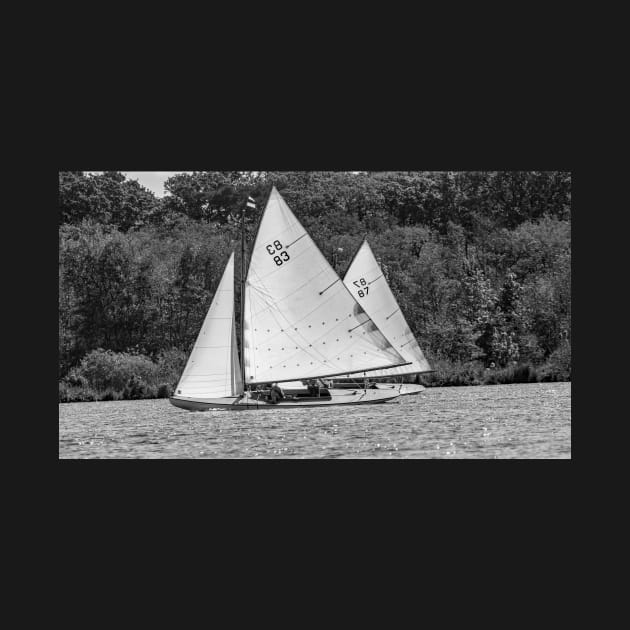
(249,400)
(404,389)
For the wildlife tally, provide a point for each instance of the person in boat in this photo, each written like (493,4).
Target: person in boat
(275,393)
(321,387)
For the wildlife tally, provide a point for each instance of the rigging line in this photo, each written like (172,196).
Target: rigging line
(205,378)
(315,352)
(394,313)
(271,304)
(265,295)
(387,350)
(227,366)
(248,350)
(330,285)
(362,324)
(336,325)
(375,279)
(279,234)
(295,241)
(339,352)
(262,289)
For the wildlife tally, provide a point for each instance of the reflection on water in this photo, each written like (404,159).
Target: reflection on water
(497,421)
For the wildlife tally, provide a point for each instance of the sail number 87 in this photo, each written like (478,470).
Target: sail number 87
(363,287)
(273,249)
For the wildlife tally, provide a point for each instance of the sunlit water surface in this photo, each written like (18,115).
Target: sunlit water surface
(487,422)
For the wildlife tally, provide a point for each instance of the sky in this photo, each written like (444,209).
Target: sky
(153,180)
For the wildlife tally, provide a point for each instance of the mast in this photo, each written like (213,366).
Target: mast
(242,290)
(250,204)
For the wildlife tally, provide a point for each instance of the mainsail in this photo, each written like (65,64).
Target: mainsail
(213,369)
(300,320)
(368,284)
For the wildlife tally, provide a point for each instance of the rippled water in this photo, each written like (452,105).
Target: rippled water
(497,421)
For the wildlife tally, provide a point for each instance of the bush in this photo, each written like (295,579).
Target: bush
(110,394)
(64,392)
(521,373)
(170,365)
(104,369)
(491,377)
(73,393)
(74,379)
(473,373)
(134,389)
(107,375)
(559,363)
(453,374)
(87,395)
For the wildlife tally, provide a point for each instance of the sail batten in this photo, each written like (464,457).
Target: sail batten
(380,303)
(213,368)
(299,319)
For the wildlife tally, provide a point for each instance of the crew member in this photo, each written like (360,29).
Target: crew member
(276,393)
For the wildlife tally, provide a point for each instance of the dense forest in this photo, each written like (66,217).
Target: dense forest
(480,263)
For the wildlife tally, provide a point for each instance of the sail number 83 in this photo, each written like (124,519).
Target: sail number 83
(273,249)
(363,287)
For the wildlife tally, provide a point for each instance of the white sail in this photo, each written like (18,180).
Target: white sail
(368,284)
(213,369)
(300,319)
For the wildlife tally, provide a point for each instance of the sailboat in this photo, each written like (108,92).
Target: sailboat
(299,322)
(365,279)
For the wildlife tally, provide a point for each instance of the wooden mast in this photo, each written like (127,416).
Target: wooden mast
(243,292)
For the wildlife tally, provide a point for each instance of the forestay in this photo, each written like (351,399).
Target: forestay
(300,319)
(368,284)
(213,369)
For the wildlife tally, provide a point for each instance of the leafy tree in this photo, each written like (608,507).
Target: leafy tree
(106,198)
(480,262)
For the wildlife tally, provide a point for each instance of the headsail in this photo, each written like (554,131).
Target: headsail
(368,284)
(300,319)
(213,369)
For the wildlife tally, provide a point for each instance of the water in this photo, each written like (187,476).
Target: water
(487,422)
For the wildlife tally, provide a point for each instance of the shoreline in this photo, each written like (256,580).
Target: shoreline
(88,399)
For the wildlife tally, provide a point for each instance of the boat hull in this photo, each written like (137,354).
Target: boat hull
(250,401)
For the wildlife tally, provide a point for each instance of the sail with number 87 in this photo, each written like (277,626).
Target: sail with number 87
(366,280)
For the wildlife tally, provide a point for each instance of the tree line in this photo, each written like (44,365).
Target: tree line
(480,262)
